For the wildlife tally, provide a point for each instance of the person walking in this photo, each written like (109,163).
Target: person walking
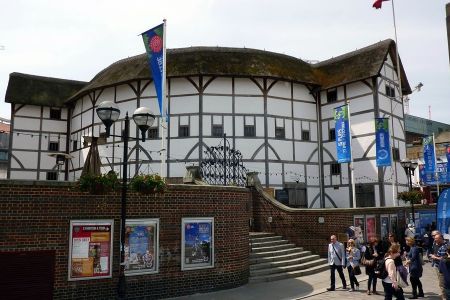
(353,256)
(444,269)
(414,262)
(372,254)
(390,284)
(439,253)
(336,261)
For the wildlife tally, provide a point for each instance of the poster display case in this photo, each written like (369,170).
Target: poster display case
(197,243)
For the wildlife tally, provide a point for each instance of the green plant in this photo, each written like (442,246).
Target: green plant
(99,184)
(150,183)
(413,196)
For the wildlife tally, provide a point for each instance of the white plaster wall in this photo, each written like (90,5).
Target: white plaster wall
(54,126)
(283,149)
(313,174)
(194,126)
(23,123)
(217,104)
(248,147)
(356,89)
(185,104)
(276,169)
(181,86)
(360,146)
(279,107)
(366,168)
(294,172)
(340,197)
(124,92)
(246,86)
(304,150)
(179,148)
(86,119)
(207,125)
(106,95)
(47,162)
(362,124)
(31,175)
(361,103)
(301,92)
(305,111)
(149,90)
(22,141)
(312,194)
(249,105)
(86,102)
(239,125)
(281,89)
(28,159)
(260,126)
(331,147)
(29,111)
(220,85)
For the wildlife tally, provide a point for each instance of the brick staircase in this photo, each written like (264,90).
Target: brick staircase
(272,258)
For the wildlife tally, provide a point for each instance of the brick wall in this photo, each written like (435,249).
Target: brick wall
(302,227)
(36,216)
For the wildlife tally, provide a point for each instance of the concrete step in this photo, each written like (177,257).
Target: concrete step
(289,256)
(294,274)
(283,263)
(265,243)
(275,252)
(272,248)
(288,268)
(265,239)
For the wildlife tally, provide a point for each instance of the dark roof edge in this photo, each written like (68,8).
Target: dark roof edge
(49,79)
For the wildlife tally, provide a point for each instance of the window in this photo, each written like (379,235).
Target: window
(249,130)
(279,132)
(74,145)
(53,146)
(152,133)
(390,91)
(305,135)
(395,154)
(52,175)
(332,134)
(183,130)
(332,95)
(217,130)
(335,169)
(55,113)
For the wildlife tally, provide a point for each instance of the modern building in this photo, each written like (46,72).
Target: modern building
(277,110)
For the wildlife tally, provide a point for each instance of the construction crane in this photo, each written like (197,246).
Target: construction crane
(406,99)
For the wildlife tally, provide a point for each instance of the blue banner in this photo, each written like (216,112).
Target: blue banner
(154,46)
(428,154)
(343,135)
(430,178)
(443,212)
(447,150)
(383,149)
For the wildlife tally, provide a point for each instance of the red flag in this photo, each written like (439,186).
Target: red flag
(377,3)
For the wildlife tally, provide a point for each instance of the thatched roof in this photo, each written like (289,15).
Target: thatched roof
(38,90)
(214,61)
(358,65)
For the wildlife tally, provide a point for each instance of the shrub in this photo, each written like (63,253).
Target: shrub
(99,184)
(151,183)
(413,196)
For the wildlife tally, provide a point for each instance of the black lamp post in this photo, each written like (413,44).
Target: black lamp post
(409,166)
(108,112)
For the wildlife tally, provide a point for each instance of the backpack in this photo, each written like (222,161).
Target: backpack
(380,269)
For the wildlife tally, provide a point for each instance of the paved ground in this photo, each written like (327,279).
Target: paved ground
(312,287)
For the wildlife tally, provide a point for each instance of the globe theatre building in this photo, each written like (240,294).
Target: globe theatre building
(275,109)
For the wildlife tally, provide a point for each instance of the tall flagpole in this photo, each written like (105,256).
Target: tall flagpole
(399,76)
(163,152)
(352,169)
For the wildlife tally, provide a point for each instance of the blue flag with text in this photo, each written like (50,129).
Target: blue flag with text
(428,155)
(383,149)
(443,212)
(343,136)
(154,46)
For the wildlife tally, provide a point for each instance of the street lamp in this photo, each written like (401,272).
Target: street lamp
(409,166)
(108,112)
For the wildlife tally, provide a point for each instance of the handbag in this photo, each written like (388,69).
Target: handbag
(357,270)
(367,262)
(401,276)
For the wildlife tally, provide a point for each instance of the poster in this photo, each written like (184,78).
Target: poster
(371,226)
(197,249)
(141,246)
(393,225)
(360,222)
(343,135)
(384,226)
(90,249)
(383,148)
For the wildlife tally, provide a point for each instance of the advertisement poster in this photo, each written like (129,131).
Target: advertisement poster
(90,249)
(197,250)
(443,212)
(360,222)
(383,149)
(141,246)
(343,135)
(426,218)
(393,225)
(371,226)
(384,224)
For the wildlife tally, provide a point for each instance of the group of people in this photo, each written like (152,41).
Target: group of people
(390,262)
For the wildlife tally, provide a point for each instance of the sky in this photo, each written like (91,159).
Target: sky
(77,39)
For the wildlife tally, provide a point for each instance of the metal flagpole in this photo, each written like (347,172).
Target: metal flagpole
(162,152)
(399,76)
(352,171)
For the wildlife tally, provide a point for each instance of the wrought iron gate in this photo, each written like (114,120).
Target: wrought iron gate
(222,165)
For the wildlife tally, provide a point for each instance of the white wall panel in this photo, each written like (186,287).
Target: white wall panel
(228,125)
(313,193)
(362,124)
(149,90)
(179,148)
(304,150)
(340,197)
(331,149)
(220,85)
(29,111)
(27,159)
(361,103)
(174,126)
(279,107)
(245,86)
(86,102)
(357,89)
(313,174)
(31,175)
(271,127)
(207,125)
(282,148)
(328,110)
(288,129)
(281,89)
(294,172)
(360,146)
(239,125)
(54,126)
(23,123)
(182,105)
(217,104)
(181,86)
(276,169)
(124,92)
(398,129)
(106,95)
(22,141)
(248,147)
(249,105)
(301,92)
(260,126)
(305,110)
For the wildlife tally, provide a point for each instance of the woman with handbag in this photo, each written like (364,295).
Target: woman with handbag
(415,268)
(391,284)
(369,260)
(353,256)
